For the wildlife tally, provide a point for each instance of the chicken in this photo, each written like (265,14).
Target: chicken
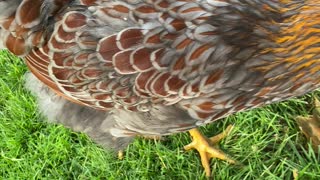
(117,69)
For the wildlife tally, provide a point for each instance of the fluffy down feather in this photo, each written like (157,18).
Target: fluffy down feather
(95,123)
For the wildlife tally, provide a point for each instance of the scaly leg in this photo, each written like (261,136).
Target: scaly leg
(205,147)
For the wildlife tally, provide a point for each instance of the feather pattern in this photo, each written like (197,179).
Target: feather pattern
(165,66)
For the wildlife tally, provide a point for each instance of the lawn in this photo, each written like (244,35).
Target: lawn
(267,142)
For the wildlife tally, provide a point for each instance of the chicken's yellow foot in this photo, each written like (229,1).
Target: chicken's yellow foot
(206,149)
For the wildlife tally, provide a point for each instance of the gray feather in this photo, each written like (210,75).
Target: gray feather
(96,124)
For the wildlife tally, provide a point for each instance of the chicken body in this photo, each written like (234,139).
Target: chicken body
(157,67)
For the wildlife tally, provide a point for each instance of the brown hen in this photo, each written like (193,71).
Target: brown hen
(156,67)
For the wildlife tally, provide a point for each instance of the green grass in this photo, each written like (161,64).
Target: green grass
(266,141)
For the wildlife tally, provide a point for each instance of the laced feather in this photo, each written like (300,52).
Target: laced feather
(205,59)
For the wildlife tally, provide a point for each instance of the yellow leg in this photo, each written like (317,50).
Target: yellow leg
(153,137)
(120,154)
(205,147)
